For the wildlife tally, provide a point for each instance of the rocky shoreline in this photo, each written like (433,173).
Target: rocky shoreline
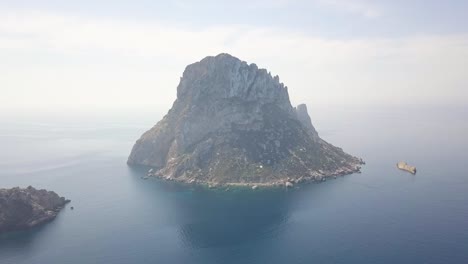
(315,177)
(24,208)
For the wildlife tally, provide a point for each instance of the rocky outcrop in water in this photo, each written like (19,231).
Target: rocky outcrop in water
(26,208)
(233,123)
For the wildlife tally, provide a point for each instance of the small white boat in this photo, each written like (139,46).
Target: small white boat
(404,166)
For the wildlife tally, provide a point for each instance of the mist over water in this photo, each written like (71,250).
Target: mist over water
(380,216)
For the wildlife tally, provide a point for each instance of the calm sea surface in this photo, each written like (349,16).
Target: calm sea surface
(380,216)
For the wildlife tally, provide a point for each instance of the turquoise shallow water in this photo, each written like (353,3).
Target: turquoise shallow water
(380,216)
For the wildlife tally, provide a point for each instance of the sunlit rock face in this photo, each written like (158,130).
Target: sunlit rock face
(233,123)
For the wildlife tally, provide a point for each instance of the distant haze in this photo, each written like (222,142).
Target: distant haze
(85,55)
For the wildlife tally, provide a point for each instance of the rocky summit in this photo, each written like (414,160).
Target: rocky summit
(233,123)
(26,208)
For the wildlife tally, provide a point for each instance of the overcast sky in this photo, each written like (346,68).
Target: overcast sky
(92,54)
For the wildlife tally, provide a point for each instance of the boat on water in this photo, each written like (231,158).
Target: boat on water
(404,166)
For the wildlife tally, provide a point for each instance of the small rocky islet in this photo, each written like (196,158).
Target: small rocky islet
(233,124)
(24,208)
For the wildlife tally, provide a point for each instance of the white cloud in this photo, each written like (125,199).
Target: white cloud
(360,7)
(269,3)
(53,60)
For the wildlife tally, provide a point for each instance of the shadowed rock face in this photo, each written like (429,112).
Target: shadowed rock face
(26,208)
(233,123)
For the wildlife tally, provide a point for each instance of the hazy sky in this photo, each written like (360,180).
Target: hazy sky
(92,54)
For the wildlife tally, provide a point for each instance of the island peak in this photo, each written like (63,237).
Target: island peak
(233,123)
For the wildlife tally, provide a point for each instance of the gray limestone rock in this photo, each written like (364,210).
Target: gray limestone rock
(26,208)
(303,116)
(233,123)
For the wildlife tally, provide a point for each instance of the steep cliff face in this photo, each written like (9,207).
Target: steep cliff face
(233,123)
(26,208)
(303,117)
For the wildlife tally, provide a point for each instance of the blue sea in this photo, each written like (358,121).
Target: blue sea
(383,215)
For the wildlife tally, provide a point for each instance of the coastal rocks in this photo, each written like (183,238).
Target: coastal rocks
(26,208)
(233,123)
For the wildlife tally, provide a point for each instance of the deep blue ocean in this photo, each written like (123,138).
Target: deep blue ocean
(380,216)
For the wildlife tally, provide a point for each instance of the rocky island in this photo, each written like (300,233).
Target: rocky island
(26,208)
(233,124)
